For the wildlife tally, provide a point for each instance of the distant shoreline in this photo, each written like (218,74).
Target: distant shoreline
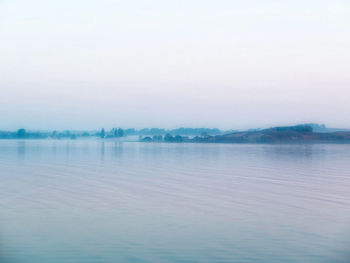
(299,134)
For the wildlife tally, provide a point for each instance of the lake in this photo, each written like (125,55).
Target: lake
(109,201)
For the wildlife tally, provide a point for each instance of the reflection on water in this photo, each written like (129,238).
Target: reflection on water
(21,149)
(106,201)
(102,145)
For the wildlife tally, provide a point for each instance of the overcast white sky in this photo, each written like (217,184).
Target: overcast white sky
(84,64)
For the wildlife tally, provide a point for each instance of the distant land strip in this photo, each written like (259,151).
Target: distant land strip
(303,133)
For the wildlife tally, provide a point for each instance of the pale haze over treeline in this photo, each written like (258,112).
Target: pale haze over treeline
(226,64)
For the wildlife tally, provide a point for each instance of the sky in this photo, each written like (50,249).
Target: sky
(188,63)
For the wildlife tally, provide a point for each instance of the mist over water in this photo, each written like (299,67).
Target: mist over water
(104,201)
(80,73)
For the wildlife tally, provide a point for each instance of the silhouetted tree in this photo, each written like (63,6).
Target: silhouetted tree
(147,139)
(102,134)
(21,133)
(168,138)
(178,138)
(120,132)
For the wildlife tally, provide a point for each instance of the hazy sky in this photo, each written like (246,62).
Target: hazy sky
(80,64)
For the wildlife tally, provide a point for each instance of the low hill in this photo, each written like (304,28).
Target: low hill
(290,134)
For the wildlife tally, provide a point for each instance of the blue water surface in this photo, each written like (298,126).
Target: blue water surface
(108,201)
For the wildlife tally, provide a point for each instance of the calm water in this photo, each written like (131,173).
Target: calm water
(93,201)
